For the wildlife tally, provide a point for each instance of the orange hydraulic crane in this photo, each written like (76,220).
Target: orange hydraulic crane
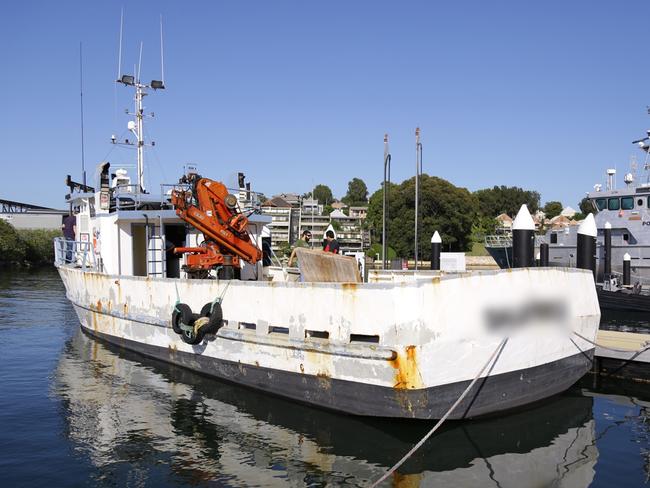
(208,207)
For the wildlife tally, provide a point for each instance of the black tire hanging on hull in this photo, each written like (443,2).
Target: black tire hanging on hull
(215,313)
(182,314)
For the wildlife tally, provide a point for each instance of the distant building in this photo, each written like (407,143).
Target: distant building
(291,198)
(27,216)
(359,212)
(352,236)
(568,212)
(280,212)
(338,205)
(560,222)
(311,206)
(505,221)
(291,215)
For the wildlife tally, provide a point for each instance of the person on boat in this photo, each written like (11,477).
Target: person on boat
(69,228)
(302,242)
(331,244)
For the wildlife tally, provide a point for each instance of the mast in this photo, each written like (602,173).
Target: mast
(139,95)
(137,126)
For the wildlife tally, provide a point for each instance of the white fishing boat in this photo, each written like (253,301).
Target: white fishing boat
(181,277)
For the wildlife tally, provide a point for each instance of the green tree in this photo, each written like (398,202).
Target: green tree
(357,193)
(482,227)
(552,209)
(13,249)
(284,249)
(39,249)
(323,194)
(376,250)
(443,207)
(586,206)
(506,199)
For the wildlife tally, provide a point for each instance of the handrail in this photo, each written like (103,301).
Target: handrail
(78,254)
(498,241)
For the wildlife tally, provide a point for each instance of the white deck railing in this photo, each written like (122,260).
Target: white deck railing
(75,253)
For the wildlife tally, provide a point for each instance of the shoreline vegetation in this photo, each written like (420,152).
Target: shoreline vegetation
(26,247)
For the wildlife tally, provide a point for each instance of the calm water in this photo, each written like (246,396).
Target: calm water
(74,412)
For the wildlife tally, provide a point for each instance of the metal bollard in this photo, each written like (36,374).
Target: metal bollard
(608,249)
(436,245)
(543,254)
(586,252)
(523,239)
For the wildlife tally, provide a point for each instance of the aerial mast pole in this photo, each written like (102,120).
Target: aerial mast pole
(81,103)
(139,133)
(137,127)
(384,230)
(418,172)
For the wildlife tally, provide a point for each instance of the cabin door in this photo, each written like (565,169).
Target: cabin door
(175,235)
(139,240)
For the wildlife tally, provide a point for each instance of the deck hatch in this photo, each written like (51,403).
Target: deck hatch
(317,334)
(278,330)
(247,325)
(372,339)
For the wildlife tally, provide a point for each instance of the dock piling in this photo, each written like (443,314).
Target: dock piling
(608,249)
(523,239)
(586,252)
(543,254)
(627,270)
(436,245)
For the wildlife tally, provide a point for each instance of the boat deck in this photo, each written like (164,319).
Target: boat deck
(620,364)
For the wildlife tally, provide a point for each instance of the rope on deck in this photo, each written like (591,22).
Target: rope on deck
(417,446)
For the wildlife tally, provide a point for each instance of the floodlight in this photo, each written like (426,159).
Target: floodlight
(157,85)
(127,79)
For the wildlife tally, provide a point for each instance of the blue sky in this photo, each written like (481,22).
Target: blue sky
(542,95)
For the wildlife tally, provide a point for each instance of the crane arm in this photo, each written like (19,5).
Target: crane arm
(209,208)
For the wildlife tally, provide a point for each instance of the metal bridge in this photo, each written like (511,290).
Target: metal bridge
(8,206)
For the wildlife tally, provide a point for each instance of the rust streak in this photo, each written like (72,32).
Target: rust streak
(351,287)
(407,375)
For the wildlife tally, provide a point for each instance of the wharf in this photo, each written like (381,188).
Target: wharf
(624,362)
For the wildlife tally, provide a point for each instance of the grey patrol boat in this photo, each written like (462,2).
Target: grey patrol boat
(626,209)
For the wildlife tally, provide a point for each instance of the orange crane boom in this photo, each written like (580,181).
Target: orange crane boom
(208,207)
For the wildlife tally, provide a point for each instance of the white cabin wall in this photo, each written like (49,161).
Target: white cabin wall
(126,249)
(104,240)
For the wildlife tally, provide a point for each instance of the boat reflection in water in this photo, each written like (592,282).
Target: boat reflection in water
(140,421)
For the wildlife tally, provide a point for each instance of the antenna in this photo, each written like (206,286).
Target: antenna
(162,57)
(119,56)
(81,102)
(140,61)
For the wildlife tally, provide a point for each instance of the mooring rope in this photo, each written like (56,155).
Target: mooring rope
(636,353)
(494,355)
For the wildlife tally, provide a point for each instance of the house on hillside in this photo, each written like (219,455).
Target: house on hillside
(568,212)
(504,221)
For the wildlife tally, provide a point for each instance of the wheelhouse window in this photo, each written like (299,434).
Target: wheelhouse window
(627,203)
(601,204)
(613,204)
